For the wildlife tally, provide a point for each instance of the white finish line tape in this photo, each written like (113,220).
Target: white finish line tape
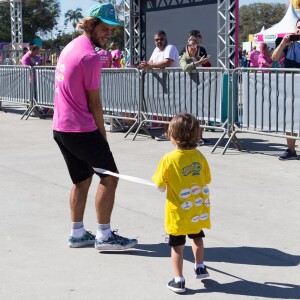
(126,177)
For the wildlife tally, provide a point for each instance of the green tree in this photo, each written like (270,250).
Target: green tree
(254,16)
(117,36)
(39,16)
(58,43)
(73,16)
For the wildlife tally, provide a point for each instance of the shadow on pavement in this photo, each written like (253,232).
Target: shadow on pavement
(243,287)
(235,255)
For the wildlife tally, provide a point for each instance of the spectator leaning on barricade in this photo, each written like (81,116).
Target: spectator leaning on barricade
(190,61)
(116,56)
(31,58)
(289,49)
(201,52)
(184,174)
(253,58)
(163,56)
(78,129)
(264,58)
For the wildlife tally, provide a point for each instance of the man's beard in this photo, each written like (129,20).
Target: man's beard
(95,41)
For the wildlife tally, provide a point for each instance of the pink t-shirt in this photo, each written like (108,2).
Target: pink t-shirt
(253,58)
(29,60)
(105,57)
(116,54)
(262,59)
(78,70)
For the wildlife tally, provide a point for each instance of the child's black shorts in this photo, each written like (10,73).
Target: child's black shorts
(178,240)
(84,151)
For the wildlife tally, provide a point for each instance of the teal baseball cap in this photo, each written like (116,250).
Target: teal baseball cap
(105,12)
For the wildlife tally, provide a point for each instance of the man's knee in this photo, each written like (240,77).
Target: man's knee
(84,184)
(110,181)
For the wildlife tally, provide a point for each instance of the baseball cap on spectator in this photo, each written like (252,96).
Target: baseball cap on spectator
(105,12)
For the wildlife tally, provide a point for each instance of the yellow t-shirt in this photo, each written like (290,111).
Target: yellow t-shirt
(186,174)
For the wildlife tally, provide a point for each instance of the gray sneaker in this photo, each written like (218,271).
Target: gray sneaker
(162,137)
(201,272)
(177,287)
(287,155)
(87,239)
(115,242)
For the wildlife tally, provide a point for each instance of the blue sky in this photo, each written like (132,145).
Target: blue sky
(85,4)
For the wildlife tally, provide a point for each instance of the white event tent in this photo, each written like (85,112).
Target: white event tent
(286,25)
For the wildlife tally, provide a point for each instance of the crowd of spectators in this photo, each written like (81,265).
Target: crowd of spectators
(191,57)
(166,55)
(262,58)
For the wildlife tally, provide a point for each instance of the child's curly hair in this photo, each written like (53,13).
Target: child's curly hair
(184,129)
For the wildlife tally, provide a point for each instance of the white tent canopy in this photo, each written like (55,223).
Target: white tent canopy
(286,25)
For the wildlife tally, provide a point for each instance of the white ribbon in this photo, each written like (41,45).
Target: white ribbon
(126,177)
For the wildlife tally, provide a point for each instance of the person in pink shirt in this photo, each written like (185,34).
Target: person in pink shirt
(116,56)
(78,129)
(253,58)
(31,58)
(264,58)
(105,58)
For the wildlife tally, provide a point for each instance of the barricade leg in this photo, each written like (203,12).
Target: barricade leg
(218,142)
(31,110)
(130,129)
(142,127)
(1,108)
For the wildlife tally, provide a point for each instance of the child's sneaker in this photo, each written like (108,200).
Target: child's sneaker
(177,287)
(201,272)
(115,242)
(87,239)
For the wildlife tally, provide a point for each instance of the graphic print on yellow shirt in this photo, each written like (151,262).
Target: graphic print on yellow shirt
(186,174)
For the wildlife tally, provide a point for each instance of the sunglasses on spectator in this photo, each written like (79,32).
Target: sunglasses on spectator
(159,40)
(200,36)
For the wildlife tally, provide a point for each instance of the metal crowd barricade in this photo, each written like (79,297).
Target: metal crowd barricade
(268,103)
(16,85)
(168,92)
(44,78)
(121,97)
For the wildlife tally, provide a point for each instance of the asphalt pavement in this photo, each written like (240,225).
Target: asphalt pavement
(252,250)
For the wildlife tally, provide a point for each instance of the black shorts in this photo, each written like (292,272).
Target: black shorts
(83,152)
(178,240)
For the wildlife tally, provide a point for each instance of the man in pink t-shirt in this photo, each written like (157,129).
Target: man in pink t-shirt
(253,58)
(78,129)
(116,56)
(31,58)
(105,58)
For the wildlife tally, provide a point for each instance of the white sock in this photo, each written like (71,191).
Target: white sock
(179,279)
(199,266)
(103,232)
(77,229)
